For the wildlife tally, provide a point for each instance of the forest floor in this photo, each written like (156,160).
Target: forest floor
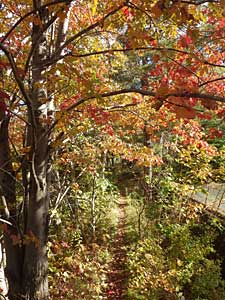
(118,273)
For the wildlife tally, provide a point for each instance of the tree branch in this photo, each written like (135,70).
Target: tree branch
(183,94)
(30,54)
(210,81)
(85,30)
(200,2)
(31,13)
(214,65)
(19,81)
(54,59)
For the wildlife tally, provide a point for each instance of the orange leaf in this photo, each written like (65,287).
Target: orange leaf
(156,10)
(162,90)
(210,104)
(185,112)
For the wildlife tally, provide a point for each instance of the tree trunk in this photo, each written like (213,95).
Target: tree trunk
(26,232)
(35,282)
(26,244)
(9,211)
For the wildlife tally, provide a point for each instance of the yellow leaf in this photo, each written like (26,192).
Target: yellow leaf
(68,260)
(179,262)
(26,150)
(94,7)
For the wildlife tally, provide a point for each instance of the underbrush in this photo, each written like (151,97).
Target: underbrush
(176,260)
(79,274)
(80,246)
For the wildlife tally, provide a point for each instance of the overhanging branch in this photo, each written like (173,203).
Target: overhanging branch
(112,51)
(54,60)
(211,81)
(183,94)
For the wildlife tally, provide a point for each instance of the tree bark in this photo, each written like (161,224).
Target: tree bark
(9,211)
(26,238)
(35,282)
(26,244)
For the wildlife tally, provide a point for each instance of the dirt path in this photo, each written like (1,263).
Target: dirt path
(117,276)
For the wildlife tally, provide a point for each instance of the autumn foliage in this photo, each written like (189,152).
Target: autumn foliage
(87,84)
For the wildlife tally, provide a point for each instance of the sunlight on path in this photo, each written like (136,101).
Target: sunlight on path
(117,276)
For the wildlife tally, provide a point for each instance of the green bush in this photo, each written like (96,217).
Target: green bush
(176,264)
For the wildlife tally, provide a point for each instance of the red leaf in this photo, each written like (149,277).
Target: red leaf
(4,95)
(125,11)
(221,113)
(110,292)
(185,41)
(204,116)
(215,133)
(3,106)
(183,108)
(3,65)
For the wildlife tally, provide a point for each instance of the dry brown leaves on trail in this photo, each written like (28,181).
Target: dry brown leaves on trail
(118,274)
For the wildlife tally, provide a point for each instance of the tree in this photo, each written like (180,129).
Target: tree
(59,55)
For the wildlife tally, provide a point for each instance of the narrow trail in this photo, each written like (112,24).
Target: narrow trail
(118,274)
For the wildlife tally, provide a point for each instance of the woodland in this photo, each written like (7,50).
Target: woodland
(111,120)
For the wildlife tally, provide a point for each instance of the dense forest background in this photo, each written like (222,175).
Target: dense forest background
(112,149)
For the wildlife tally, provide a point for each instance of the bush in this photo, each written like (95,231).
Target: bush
(175,263)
